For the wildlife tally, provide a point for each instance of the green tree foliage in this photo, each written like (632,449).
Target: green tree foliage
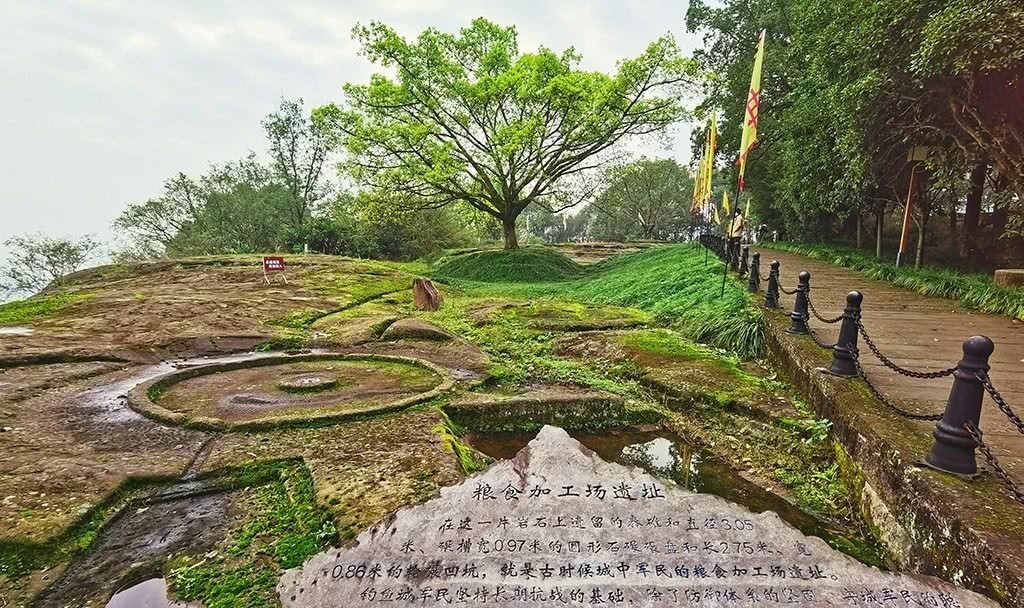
(645,199)
(299,152)
(468,118)
(36,261)
(850,87)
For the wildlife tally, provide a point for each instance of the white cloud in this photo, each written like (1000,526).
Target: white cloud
(103,99)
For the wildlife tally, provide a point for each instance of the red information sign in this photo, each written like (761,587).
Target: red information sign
(273,264)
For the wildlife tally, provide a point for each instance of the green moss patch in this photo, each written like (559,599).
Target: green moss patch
(282,527)
(37,308)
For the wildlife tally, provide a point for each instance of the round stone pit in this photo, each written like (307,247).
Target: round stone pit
(274,391)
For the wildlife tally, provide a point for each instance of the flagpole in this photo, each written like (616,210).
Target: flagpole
(728,236)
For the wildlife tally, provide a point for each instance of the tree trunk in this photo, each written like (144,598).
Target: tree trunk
(954,249)
(879,227)
(921,234)
(860,230)
(511,238)
(972,213)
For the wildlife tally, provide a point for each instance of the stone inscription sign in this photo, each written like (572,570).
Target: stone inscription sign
(557,526)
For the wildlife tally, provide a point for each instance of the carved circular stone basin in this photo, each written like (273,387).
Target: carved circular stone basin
(274,391)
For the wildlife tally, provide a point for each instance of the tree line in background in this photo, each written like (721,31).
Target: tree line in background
(850,88)
(464,139)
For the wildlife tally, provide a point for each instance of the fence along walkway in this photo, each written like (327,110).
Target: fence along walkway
(921,333)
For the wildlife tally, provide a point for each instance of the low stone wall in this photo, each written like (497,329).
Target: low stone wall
(967,532)
(585,411)
(141,398)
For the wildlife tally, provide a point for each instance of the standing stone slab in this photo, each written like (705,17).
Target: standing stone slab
(425,296)
(558,526)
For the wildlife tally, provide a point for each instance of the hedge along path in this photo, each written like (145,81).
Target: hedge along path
(921,333)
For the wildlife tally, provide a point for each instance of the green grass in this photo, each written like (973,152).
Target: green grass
(284,527)
(531,264)
(972,290)
(520,353)
(671,283)
(37,307)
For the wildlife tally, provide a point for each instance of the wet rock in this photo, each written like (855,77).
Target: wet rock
(425,295)
(414,329)
(557,524)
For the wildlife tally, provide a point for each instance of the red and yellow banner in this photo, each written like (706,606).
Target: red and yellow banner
(752,110)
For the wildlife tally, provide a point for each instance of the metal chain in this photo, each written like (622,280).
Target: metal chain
(810,305)
(896,368)
(993,463)
(786,291)
(1001,403)
(885,401)
(814,336)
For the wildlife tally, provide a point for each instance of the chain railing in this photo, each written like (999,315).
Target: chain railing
(886,361)
(993,463)
(877,394)
(810,305)
(997,398)
(956,433)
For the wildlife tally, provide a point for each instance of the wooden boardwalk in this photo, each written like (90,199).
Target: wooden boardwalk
(920,333)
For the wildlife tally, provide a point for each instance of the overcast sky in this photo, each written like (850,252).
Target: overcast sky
(103,99)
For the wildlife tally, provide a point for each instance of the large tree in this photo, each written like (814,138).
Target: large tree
(468,117)
(298,151)
(645,199)
(36,261)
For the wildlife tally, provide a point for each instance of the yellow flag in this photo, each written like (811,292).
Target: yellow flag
(752,110)
(725,203)
(718,218)
(698,181)
(709,169)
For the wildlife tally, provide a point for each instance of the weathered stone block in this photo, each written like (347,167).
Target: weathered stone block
(557,525)
(1009,277)
(425,295)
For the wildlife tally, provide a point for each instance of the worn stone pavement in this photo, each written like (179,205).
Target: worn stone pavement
(920,333)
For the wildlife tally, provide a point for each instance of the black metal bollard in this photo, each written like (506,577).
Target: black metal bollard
(953,450)
(842,352)
(744,265)
(771,295)
(754,284)
(799,314)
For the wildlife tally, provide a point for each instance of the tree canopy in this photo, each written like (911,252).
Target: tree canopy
(645,199)
(469,118)
(851,87)
(37,261)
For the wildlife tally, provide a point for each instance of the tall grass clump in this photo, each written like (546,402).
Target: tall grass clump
(528,265)
(672,283)
(676,286)
(972,290)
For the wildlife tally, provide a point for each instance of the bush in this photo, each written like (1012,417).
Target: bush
(528,265)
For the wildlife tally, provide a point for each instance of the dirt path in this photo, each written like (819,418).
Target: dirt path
(920,333)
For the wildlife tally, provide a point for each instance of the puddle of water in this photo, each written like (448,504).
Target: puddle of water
(16,331)
(668,456)
(106,401)
(151,593)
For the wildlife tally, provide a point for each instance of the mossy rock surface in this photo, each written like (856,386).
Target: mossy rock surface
(415,329)
(567,407)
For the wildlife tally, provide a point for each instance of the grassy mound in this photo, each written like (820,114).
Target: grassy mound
(673,284)
(529,265)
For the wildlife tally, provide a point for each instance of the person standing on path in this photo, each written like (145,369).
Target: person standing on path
(736,232)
